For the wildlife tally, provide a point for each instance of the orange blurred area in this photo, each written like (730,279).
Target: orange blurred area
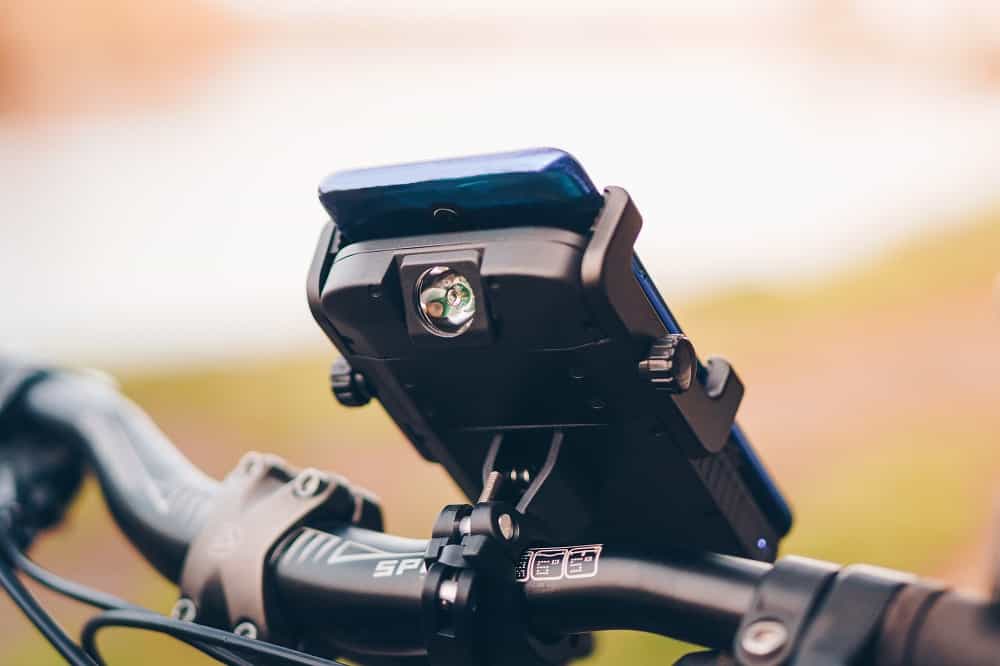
(83,55)
(59,57)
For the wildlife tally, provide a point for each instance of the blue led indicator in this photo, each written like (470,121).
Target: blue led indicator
(762,543)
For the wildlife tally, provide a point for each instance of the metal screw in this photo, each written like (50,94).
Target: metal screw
(506,525)
(763,638)
(448,592)
(520,476)
(465,525)
(246,629)
(184,610)
(251,463)
(308,483)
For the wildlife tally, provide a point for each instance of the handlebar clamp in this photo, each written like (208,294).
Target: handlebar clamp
(223,579)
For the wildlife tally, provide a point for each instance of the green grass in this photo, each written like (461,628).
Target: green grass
(906,503)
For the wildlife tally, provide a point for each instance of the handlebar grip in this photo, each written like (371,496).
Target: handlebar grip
(156,495)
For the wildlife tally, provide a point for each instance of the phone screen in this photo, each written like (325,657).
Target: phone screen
(539,187)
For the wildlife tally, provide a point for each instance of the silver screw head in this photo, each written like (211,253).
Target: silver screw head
(251,463)
(246,629)
(506,525)
(448,593)
(308,483)
(184,610)
(763,638)
(465,525)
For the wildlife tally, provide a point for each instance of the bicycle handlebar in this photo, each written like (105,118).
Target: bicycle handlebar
(358,591)
(156,495)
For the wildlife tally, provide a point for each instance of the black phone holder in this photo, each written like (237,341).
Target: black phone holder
(568,383)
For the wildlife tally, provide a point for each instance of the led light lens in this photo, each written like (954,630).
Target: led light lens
(446,301)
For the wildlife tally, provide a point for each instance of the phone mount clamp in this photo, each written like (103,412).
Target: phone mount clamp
(470,597)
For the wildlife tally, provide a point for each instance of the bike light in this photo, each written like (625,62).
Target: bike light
(446,301)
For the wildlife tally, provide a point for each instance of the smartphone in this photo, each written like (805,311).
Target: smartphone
(458,201)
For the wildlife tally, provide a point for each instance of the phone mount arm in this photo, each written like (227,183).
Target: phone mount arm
(707,407)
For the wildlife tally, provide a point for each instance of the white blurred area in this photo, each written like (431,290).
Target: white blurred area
(763,141)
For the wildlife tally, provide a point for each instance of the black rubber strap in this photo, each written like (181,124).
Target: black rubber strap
(849,616)
(902,622)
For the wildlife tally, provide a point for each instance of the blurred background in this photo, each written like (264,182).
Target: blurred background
(820,182)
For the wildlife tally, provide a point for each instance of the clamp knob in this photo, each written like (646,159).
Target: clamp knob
(670,364)
(349,387)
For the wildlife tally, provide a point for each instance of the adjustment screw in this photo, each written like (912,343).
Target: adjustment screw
(308,483)
(246,629)
(670,364)
(763,638)
(506,525)
(184,610)
(348,386)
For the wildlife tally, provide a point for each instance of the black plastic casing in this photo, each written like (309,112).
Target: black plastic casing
(554,347)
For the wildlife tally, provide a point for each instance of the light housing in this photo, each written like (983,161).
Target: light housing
(446,301)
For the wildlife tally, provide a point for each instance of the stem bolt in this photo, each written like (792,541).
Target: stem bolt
(506,525)
(184,610)
(251,463)
(764,638)
(308,483)
(246,629)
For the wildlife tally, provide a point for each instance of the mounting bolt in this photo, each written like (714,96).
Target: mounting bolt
(448,593)
(251,463)
(308,483)
(670,364)
(184,610)
(506,525)
(764,638)
(246,629)
(348,386)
